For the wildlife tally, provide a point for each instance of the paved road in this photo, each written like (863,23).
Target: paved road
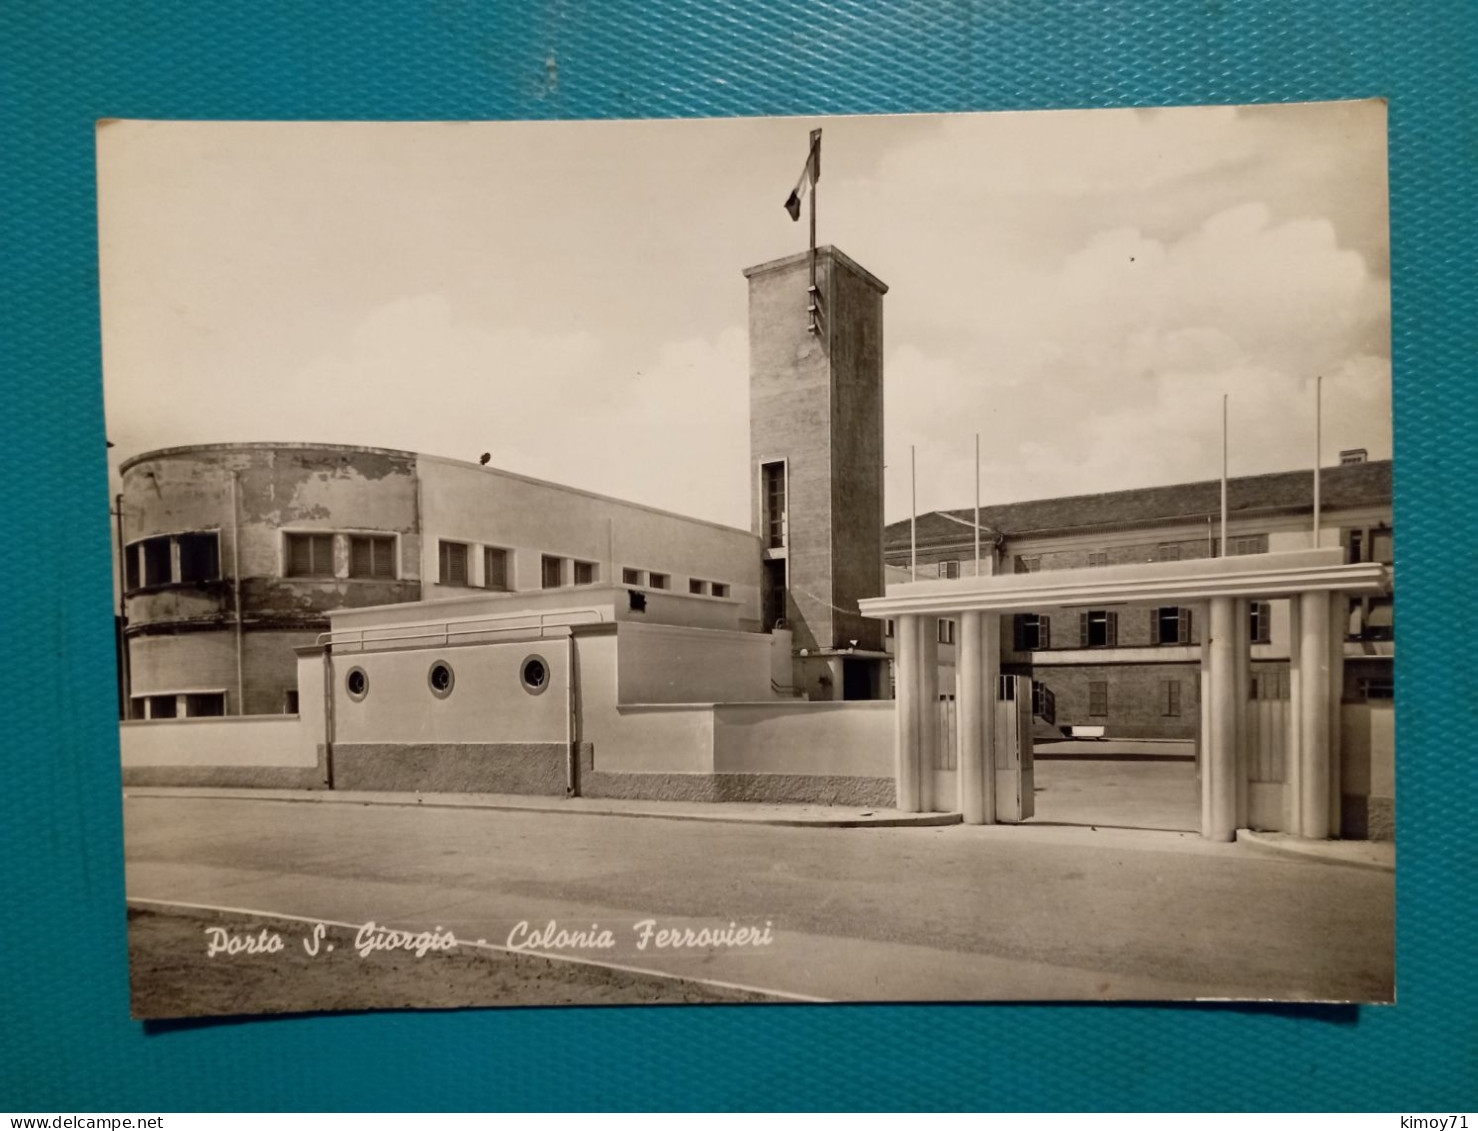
(892,914)
(1159,794)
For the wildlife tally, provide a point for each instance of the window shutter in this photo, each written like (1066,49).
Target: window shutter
(1154,626)
(1184,635)
(1082,630)
(1112,639)
(1044,632)
(361,557)
(299,555)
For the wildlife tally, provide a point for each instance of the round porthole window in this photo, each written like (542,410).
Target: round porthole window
(535,675)
(356,683)
(441,678)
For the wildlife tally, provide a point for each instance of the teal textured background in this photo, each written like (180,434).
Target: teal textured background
(66,1042)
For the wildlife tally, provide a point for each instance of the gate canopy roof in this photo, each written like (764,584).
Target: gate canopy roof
(1283,574)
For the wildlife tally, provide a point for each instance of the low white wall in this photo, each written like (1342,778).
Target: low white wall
(247,740)
(670,664)
(487,702)
(674,739)
(1368,749)
(851,739)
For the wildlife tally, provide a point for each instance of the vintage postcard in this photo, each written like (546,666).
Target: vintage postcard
(921,558)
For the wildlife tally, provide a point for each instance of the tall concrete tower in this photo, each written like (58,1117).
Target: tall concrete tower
(816,463)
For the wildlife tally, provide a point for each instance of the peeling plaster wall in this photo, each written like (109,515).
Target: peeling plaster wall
(184,635)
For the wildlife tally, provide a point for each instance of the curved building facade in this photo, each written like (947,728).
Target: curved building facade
(234,554)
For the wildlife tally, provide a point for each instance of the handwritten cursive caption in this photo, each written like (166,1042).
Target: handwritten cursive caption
(647,934)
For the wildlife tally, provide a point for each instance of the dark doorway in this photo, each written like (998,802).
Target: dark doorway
(857,679)
(773,595)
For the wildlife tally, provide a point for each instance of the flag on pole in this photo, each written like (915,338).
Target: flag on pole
(809,176)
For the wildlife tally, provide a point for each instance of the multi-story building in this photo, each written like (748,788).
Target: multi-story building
(1134,672)
(235,554)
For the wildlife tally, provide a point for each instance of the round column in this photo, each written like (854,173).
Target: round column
(969,696)
(906,712)
(1314,715)
(1219,778)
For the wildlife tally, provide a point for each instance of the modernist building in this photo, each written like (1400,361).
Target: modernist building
(236,554)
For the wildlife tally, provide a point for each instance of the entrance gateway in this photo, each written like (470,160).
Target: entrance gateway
(1234,792)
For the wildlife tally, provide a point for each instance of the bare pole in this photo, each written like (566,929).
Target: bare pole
(977,504)
(1223,475)
(1318,429)
(123,678)
(913,515)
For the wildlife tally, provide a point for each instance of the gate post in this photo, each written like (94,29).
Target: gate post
(1218,781)
(929,728)
(1314,715)
(975,696)
(906,712)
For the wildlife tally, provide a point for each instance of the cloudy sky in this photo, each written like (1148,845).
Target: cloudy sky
(1080,287)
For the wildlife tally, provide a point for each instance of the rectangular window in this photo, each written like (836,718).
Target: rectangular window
(1247,544)
(372,555)
(290,702)
(453,563)
(495,568)
(200,557)
(1098,558)
(630,576)
(657,580)
(1376,688)
(1168,552)
(949,569)
(1028,564)
(772,495)
(1170,698)
(1033,632)
(310,555)
(163,707)
(205,704)
(720,589)
(1044,703)
(1357,547)
(1098,629)
(155,555)
(946,632)
(1098,698)
(1170,626)
(695,587)
(1260,626)
(584,573)
(551,572)
(1381,547)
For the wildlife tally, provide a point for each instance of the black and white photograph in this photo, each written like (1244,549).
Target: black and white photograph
(914,558)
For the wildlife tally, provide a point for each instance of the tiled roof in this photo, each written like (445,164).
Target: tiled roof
(1351,485)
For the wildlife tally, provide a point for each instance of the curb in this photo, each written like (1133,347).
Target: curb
(417,801)
(1324,850)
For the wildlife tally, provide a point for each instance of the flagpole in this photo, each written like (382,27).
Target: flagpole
(813,160)
(1318,428)
(977,504)
(1223,475)
(913,515)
